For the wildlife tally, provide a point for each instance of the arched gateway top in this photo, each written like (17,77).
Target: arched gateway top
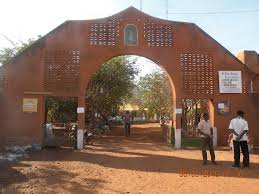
(63,61)
(70,48)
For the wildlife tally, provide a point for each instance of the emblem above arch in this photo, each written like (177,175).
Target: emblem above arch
(131,35)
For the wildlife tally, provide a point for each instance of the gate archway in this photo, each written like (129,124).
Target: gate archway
(62,62)
(97,65)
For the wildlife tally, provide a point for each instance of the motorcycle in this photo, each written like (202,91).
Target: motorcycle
(88,137)
(73,132)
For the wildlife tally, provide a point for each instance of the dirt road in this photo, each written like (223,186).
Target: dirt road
(138,164)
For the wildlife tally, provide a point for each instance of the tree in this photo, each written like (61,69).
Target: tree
(111,85)
(155,93)
(60,109)
(7,53)
(192,110)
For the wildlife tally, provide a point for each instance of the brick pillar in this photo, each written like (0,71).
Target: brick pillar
(81,122)
(177,123)
(81,116)
(211,112)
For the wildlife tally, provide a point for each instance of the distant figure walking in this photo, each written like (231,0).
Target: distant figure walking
(206,134)
(127,123)
(239,129)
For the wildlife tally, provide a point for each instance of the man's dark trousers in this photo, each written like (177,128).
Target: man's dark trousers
(244,148)
(207,141)
(127,129)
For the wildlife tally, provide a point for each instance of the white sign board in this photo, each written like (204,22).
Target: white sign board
(221,105)
(178,111)
(80,110)
(230,82)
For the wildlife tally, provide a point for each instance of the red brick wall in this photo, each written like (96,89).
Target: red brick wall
(26,74)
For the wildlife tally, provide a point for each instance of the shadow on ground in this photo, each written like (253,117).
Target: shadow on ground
(153,162)
(113,152)
(143,151)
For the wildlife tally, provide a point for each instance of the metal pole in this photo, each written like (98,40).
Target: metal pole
(140,5)
(167,9)
(9,40)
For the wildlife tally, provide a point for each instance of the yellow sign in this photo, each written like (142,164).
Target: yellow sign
(30,104)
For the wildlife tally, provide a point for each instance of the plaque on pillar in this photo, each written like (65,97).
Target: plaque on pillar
(80,110)
(30,105)
(178,111)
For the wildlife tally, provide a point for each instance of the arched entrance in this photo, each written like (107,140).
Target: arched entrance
(165,93)
(62,63)
(81,116)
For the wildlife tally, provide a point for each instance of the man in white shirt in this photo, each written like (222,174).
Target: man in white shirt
(206,134)
(239,129)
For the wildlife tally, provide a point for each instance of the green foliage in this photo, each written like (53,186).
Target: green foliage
(192,110)
(155,93)
(61,110)
(6,54)
(111,85)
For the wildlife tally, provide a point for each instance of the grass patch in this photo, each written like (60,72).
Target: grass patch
(191,142)
(185,141)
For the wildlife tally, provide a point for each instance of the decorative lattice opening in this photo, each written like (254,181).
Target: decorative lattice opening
(104,34)
(62,70)
(197,73)
(158,35)
(244,87)
(3,79)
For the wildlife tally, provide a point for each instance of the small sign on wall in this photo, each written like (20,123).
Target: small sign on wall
(224,107)
(230,82)
(221,105)
(178,111)
(80,110)
(30,105)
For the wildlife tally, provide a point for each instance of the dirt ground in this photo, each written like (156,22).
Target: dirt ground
(138,164)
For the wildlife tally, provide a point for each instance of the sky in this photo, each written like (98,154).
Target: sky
(24,19)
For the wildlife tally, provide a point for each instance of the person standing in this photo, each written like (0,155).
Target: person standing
(239,129)
(127,124)
(206,134)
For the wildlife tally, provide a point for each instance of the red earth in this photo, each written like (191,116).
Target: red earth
(141,163)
